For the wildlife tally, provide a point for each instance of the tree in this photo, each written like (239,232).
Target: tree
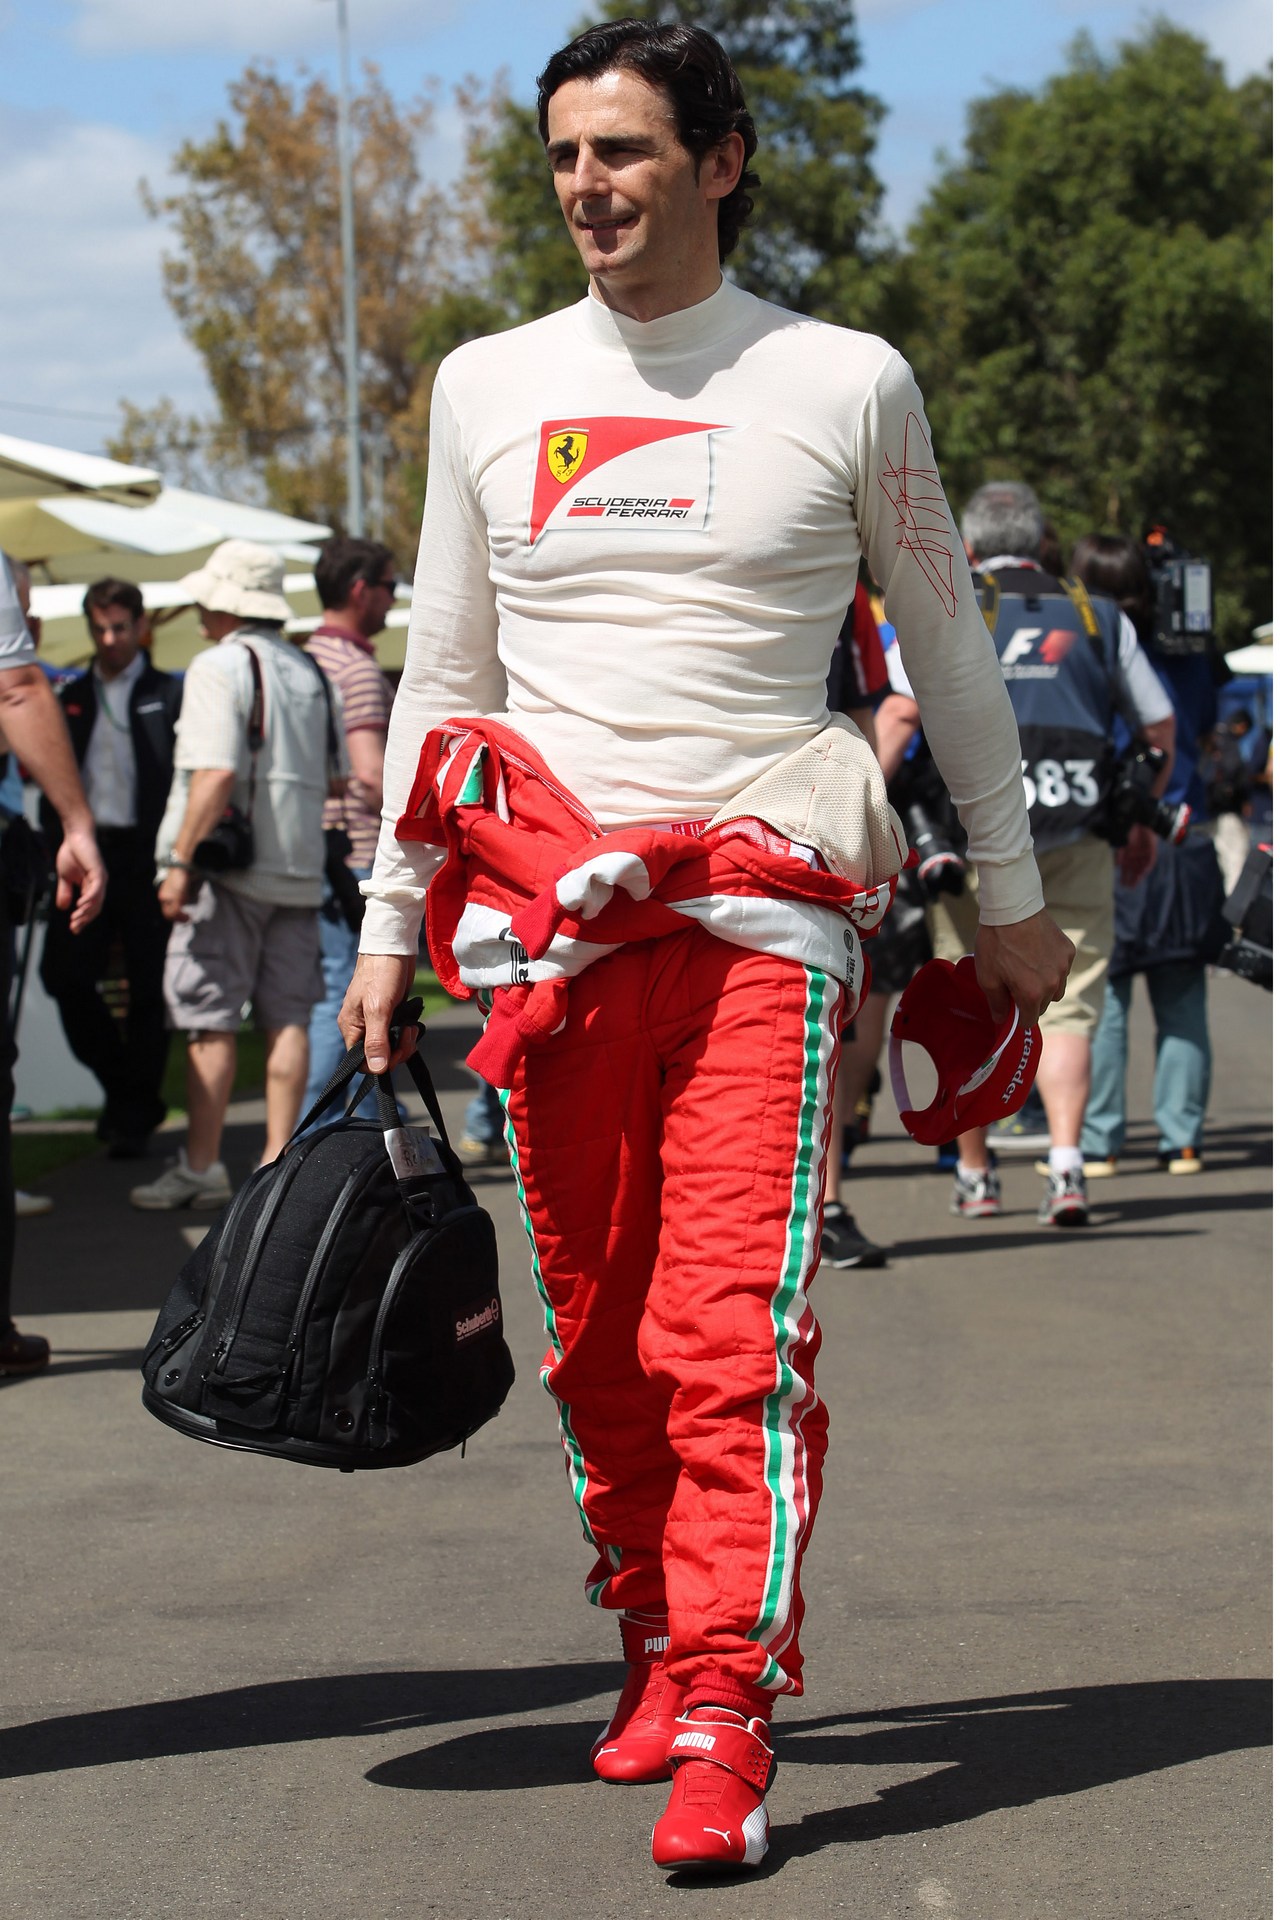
(813,243)
(255,282)
(1088,293)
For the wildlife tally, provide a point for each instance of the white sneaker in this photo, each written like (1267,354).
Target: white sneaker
(179,1186)
(27,1205)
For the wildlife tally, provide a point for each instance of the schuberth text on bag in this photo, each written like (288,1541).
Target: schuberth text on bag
(344,1309)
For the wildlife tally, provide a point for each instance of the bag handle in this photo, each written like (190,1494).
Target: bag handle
(408,1013)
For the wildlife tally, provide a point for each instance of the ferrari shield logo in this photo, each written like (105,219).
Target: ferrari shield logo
(566,452)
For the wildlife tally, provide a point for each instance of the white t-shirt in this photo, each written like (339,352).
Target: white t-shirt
(110,770)
(638,544)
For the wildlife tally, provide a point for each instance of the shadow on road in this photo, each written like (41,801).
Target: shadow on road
(335,1707)
(983,1755)
(1015,1749)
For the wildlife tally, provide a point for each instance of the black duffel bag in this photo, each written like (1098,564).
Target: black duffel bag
(344,1308)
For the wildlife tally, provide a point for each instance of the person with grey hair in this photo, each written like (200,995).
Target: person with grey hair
(1002,517)
(1071,663)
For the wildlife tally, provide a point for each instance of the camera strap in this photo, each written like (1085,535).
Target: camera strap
(257,715)
(330,729)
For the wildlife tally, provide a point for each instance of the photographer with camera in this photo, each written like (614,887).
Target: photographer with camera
(1071,665)
(241,855)
(1168,925)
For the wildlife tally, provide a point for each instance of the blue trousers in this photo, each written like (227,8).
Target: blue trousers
(338,948)
(1183,1061)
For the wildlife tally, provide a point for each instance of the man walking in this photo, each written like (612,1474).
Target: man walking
(1071,665)
(120,715)
(241,856)
(34,729)
(356,582)
(611,757)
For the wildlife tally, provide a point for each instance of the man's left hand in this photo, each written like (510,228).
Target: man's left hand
(82,878)
(1027,962)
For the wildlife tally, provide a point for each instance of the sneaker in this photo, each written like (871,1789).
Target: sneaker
(23,1352)
(474,1152)
(842,1244)
(1066,1201)
(1026,1131)
(976,1196)
(947,1158)
(1183,1160)
(179,1186)
(27,1205)
(716,1820)
(1105,1168)
(632,1749)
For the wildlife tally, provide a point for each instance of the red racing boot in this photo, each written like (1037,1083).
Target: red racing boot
(632,1750)
(716,1820)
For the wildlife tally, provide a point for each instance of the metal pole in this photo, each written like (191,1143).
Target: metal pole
(350,345)
(378,482)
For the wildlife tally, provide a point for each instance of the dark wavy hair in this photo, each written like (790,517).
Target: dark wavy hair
(1111,564)
(695,73)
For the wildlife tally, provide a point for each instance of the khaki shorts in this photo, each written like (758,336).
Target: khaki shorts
(1078,883)
(234,950)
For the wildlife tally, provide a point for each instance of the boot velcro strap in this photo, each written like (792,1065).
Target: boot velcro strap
(737,1749)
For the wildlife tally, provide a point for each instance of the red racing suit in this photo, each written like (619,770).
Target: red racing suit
(666,1010)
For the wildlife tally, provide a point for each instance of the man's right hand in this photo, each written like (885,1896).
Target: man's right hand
(82,878)
(378,985)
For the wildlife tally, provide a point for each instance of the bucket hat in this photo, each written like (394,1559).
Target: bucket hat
(985,1067)
(240,577)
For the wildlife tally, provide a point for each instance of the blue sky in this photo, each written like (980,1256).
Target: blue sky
(95,94)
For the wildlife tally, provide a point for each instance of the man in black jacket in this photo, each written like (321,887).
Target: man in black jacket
(121,715)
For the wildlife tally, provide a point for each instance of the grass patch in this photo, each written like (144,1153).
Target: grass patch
(35,1154)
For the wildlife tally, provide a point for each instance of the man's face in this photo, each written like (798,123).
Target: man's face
(372,600)
(117,637)
(641,211)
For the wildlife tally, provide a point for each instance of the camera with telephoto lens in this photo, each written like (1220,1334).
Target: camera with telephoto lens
(939,866)
(1131,802)
(229,848)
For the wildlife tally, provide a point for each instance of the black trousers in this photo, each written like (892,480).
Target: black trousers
(8,1054)
(126,1056)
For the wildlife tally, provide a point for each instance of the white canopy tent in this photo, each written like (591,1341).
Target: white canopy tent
(30,470)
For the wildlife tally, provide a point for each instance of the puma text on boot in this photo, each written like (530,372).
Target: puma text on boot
(632,1750)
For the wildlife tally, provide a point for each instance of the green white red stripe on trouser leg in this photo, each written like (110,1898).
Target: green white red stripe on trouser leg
(670,1143)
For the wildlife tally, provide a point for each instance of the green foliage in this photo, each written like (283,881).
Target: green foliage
(1088,302)
(254,280)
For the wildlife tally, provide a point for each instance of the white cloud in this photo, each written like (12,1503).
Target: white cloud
(245,26)
(84,322)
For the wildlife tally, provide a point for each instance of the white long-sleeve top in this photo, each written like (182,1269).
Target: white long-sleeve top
(638,543)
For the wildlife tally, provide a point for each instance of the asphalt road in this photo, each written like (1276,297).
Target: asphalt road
(1038,1590)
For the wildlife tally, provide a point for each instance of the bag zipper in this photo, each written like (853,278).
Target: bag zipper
(376,1392)
(266,1220)
(358,1178)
